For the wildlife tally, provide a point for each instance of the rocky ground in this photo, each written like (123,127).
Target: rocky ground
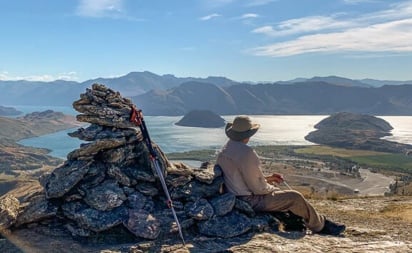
(378,224)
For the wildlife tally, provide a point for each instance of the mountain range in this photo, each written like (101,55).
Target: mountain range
(63,93)
(170,95)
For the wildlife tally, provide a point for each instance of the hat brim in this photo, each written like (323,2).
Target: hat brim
(238,136)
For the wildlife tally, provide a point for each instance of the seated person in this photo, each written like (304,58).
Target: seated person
(244,178)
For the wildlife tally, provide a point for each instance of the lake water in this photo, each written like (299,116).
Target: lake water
(275,130)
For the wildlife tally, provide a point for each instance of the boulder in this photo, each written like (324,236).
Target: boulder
(230,225)
(38,209)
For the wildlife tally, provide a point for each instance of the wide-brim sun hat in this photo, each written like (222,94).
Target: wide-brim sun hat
(241,128)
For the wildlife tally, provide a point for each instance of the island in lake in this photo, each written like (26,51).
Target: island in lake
(356,131)
(9,111)
(201,118)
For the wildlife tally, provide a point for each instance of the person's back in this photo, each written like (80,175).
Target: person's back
(239,161)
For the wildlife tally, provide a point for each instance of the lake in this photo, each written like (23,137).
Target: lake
(275,130)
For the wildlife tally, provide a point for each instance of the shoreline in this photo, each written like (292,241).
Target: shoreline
(277,130)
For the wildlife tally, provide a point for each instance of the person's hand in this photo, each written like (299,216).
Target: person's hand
(275,178)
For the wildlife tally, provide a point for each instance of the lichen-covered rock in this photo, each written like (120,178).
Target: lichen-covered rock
(139,201)
(244,207)
(195,190)
(142,224)
(38,209)
(223,204)
(181,169)
(91,149)
(208,174)
(95,132)
(147,189)
(105,197)
(116,173)
(140,173)
(230,225)
(200,210)
(93,219)
(9,209)
(62,179)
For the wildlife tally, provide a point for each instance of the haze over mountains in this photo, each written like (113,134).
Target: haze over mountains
(170,95)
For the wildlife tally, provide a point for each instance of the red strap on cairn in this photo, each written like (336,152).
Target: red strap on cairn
(136,116)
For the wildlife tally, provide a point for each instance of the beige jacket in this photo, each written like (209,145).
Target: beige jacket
(241,170)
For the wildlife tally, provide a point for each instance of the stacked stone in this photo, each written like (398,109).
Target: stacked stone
(110,182)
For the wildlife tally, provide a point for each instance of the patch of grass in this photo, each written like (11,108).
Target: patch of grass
(401,211)
(339,152)
(374,159)
(333,195)
(275,149)
(380,160)
(386,161)
(199,155)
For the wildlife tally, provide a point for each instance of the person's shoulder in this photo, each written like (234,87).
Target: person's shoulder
(241,146)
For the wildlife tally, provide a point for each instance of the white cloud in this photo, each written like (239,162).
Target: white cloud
(267,30)
(303,25)
(337,22)
(394,36)
(208,17)
(100,8)
(396,12)
(69,76)
(249,15)
(388,31)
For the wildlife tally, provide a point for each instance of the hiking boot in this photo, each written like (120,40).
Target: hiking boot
(332,228)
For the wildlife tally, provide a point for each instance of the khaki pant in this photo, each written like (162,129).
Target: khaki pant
(283,201)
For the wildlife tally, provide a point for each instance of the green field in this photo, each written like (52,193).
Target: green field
(199,155)
(365,158)
(390,161)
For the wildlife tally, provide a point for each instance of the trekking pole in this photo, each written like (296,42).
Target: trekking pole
(136,117)
(290,188)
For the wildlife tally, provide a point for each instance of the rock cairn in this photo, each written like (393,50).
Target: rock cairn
(109,183)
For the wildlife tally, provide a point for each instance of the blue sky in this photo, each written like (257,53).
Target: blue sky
(244,40)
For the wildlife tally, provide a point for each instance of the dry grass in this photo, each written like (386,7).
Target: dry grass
(401,211)
(309,193)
